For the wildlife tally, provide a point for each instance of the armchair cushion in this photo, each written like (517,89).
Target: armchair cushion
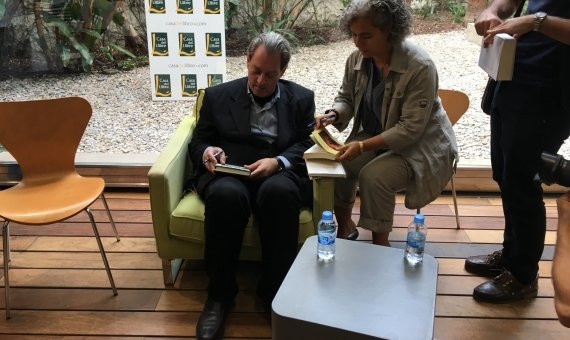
(187,223)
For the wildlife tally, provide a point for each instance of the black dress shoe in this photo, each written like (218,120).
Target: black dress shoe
(211,322)
(486,265)
(505,288)
(353,235)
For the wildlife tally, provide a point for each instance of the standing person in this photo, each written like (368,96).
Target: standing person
(529,115)
(262,122)
(401,137)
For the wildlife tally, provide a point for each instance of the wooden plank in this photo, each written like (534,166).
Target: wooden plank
(549,200)
(127,244)
(463,250)
(83,229)
(463,285)
(130,194)
(85,278)
(466,306)
(122,204)
(485,329)
(494,211)
(457,267)
(193,301)
(77,260)
(124,216)
(448,199)
(247,278)
(467,222)
(82,299)
(251,325)
(20,242)
(434,235)
(496,236)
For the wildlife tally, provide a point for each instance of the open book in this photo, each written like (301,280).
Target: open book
(317,152)
(232,169)
(326,141)
(498,58)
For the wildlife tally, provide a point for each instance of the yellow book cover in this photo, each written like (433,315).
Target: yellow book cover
(325,140)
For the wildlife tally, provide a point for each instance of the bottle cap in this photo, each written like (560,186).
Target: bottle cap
(327,215)
(419,218)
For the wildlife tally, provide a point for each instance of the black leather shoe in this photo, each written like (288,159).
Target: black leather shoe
(211,322)
(486,265)
(353,235)
(505,288)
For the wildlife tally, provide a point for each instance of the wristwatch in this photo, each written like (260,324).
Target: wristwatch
(280,165)
(538,19)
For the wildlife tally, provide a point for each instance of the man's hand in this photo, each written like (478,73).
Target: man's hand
(486,21)
(515,27)
(211,157)
(264,167)
(349,151)
(563,205)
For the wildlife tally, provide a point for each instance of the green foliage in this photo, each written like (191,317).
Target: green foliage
(268,15)
(131,63)
(345,3)
(457,9)
(77,35)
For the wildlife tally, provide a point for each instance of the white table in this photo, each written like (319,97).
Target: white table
(367,292)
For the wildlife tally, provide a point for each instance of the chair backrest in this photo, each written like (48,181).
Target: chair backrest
(455,104)
(43,135)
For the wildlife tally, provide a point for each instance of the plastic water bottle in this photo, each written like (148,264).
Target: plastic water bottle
(416,240)
(327,236)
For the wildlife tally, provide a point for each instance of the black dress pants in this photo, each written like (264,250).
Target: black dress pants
(275,203)
(525,121)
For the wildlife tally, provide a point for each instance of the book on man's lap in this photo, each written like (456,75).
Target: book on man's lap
(231,169)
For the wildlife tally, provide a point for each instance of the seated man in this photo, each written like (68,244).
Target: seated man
(261,122)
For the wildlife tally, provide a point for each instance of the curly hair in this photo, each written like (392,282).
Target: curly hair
(391,16)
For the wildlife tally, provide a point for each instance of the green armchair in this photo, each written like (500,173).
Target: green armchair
(178,218)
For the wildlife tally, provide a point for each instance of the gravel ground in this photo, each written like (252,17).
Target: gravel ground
(128,121)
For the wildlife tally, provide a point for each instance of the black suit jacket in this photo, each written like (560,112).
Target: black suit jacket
(225,122)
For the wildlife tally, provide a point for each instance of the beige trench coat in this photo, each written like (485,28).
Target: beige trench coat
(414,123)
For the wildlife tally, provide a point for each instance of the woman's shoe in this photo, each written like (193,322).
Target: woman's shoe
(353,235)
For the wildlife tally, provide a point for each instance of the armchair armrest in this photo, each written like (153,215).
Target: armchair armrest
(166,179)
(323,197)
(323,172)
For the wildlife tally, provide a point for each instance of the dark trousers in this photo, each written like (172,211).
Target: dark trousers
(275,203)
(525,121)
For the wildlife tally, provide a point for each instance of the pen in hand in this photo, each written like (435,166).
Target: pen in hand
(324,119)
(216,154)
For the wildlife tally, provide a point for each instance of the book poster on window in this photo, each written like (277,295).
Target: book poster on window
(186,47)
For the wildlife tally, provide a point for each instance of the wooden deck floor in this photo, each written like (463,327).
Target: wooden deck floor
(60,289)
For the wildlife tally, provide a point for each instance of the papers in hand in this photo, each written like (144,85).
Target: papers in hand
(498,58)
(232,169)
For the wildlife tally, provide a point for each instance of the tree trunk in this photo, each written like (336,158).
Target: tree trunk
(39,22)
(133,40)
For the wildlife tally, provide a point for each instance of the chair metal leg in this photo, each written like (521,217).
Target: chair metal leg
(6,254)
(455,203)
(102,251)
(110,217)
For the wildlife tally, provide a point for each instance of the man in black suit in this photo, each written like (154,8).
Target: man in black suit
(261,122)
